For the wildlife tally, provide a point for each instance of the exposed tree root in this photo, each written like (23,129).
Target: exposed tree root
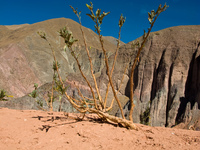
(112,119)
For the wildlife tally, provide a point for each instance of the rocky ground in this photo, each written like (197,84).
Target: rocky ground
(31,129)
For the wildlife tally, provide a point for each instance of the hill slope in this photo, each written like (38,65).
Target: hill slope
(26,59)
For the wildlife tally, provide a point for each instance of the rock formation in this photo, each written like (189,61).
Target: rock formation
(167,76)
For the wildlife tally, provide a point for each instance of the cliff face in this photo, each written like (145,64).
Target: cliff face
(166,80)
(167,76)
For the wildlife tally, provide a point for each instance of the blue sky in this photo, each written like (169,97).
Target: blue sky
(180,12)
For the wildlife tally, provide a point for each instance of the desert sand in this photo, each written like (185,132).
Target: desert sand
(31,130)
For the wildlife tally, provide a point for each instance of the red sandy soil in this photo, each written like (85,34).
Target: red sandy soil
(39,130)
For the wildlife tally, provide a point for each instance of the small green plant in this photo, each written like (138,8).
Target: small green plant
(145,116)
(99,105)
(34,92)
(3,95)
(40,103)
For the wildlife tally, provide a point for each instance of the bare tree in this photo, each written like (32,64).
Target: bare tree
(98,105)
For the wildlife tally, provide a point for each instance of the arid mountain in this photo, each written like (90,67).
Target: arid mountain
(166,80)
(26,59)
